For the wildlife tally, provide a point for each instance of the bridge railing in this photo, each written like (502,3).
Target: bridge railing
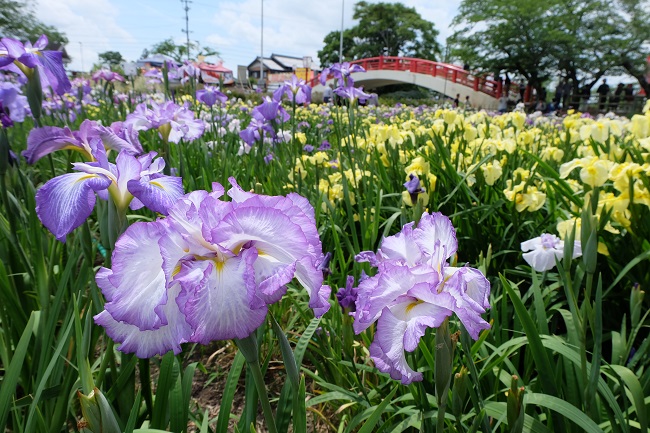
(451,73)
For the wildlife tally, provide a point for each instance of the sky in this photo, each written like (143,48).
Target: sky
(231,27)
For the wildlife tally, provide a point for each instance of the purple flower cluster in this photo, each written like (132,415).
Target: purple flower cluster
(172,121)
(263,118)
(209,270)
(415,288)
(64,202)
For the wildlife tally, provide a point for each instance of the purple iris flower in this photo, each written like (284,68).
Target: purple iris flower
(48,139)
(297,91)
(172,121)
(308,148)
(18,57)
(82,84)
(347,296)
(325,145)
(5,120)
(413,187)
(352,93)
(209,95)
(186,71)
(12,99)
(155,76)
(64,202)
(209,270)
(270,110)
(342,72)
(415,288)
(255,130)
(268,158)
(107,75)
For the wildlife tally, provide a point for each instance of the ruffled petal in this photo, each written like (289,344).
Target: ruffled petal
(64,202)
(138,290)
(387,350)
(378,292)
(402,246)
(157,193)
(436,228)
(148,343)
(466,308)
(268,229)
(222,303)
(311,278)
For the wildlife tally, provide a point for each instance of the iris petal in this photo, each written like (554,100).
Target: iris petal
(64,202)
(221,299)
(148,343)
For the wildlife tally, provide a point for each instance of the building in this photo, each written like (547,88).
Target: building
(279,68)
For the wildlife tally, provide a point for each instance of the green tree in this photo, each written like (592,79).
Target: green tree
(389,29)
(632,21)
(582,40)
(18,21)
(111,58)
(511,36)
(178,52)
(330,52)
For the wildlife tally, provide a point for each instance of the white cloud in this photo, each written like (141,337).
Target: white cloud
(232,27)
(93,23)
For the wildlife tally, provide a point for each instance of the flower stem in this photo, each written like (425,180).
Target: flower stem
(263,395)
(248,347)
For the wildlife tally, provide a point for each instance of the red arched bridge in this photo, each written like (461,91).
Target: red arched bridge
(443,78)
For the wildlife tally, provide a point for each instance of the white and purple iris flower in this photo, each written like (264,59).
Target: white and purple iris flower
(415,288)
(47,139)
(541,252)
(107,75)
(172,121)
(64,202)
(19,58)
(297,90)
(209,270)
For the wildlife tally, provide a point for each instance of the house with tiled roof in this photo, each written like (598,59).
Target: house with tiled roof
(279,68)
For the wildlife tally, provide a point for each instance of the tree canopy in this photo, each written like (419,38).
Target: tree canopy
(111,58)
(18,21)
(389,29)
(178,52)
(579,39)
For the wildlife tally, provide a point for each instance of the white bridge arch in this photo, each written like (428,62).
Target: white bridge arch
(443,78)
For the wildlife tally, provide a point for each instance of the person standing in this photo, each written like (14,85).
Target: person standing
(457,100)
(327,95)
(618,96)
(603,91)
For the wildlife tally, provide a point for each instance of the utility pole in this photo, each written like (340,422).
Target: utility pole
(261,81)
(187,26)
(81,51)
(341,39)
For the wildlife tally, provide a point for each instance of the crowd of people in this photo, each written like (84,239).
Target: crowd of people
(567,96)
